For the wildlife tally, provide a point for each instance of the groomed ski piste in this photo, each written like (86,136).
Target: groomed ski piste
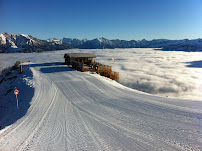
(71,110)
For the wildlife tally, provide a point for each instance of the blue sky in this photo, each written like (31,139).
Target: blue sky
(112,19)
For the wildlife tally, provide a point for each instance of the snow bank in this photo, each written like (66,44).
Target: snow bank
(11,79)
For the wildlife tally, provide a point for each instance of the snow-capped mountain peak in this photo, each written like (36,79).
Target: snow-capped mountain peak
(3,38)
(27,43)
(26,36)
(55,40)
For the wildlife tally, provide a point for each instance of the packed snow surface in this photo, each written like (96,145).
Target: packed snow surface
(71,110)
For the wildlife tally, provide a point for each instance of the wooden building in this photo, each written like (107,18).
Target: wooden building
(86,58)
(85,62)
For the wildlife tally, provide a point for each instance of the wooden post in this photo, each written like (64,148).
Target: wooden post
(20,69)
(82,67)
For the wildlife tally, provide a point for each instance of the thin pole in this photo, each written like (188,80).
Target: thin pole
(17,100)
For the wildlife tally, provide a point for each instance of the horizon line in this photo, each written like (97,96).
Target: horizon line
(106,38)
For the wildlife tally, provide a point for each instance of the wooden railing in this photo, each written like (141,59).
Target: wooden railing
(101,69)
(106,71)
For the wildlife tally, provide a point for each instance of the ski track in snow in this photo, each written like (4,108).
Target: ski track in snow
(71,110)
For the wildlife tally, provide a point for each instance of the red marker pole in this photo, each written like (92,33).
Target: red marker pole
(17,100)
(137,84)
(20,69)
(16,94)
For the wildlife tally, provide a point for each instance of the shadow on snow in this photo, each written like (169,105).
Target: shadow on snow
(9,113)
(52,67)
(47,64)
(55,69)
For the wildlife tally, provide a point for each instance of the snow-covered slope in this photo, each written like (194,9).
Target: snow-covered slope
(71,110)
(27,43)
(98,43)
(73,42)
(55,40)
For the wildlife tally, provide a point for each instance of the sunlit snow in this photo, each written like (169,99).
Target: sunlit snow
(63,109)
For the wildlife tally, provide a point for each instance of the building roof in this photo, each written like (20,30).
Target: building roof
(80,55)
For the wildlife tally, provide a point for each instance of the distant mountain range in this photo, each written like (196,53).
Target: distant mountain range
(103,43)
(27,43)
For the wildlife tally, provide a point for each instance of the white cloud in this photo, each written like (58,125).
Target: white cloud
(163,73)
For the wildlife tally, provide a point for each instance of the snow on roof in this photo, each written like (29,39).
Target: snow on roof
(80,55)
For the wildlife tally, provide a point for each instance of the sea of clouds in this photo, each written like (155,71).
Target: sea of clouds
(174,74)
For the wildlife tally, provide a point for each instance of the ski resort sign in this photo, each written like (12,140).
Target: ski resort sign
(16,92)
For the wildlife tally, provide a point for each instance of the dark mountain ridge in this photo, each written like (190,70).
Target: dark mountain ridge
(164,44)
(27,43)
